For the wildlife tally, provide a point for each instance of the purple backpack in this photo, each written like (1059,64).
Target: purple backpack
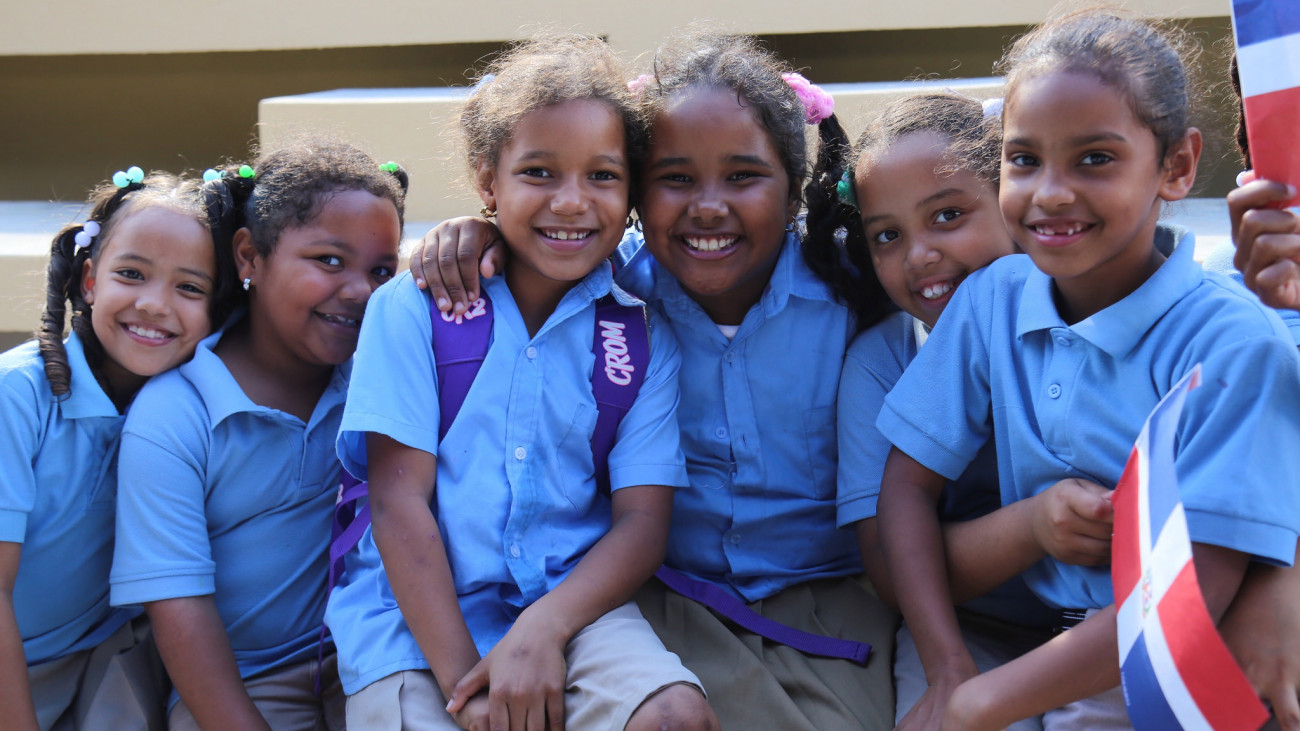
(622,347)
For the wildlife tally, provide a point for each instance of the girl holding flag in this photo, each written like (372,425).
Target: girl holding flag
(1072,346)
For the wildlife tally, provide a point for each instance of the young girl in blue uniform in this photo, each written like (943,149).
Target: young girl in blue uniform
(1060,355)
(227,464)
(763,338)
(496,578)
(142,276)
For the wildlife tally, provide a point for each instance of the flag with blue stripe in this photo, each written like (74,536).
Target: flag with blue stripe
(1268,61)
(1177,673)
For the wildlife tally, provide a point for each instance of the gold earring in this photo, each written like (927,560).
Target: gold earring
(487,213)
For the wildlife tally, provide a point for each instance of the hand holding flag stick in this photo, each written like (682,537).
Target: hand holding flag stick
(1176,670)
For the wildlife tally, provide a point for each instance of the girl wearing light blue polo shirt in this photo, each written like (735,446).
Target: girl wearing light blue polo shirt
(227,464)
(1060,356)
(496,574)
(143,280)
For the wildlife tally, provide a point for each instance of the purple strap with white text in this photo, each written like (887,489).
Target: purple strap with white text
(621,344)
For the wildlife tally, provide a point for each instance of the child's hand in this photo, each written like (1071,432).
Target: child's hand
(1262,628)
(524,676)
(1072,521)
(450,258)
(931,706)
(1268,242)
(473,716)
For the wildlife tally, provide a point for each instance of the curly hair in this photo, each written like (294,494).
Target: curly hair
(538,73)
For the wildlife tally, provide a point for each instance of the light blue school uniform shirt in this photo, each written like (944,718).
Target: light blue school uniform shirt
(874,363)
(1069,401)
(516,498)
(57,487)
(1220,260)
(758,428)
(224,497)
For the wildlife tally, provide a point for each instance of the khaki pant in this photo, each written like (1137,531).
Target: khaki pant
(754,683)
(286,698)
(614,665)
(118,684)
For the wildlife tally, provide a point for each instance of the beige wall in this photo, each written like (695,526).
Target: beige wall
(177,26)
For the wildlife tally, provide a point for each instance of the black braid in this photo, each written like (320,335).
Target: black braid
(834,245)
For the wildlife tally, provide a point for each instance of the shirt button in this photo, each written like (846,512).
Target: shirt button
(514,550)
(531,352)
(1054,390)
(1063,341)
(721,432)
(735,539)
(520,453)
(730,357)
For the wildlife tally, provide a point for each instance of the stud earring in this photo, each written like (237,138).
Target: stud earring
(248,284)
(486,213)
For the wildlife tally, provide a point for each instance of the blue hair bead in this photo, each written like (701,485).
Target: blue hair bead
(120,179)
(210,175)
(844,190)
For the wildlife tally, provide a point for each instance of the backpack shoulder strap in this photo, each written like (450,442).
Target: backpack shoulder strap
(460,343)
(622,347)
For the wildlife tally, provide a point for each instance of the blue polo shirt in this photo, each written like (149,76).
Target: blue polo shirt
(758,428)
(874,363)
(224,497)
(57,487)
(1069,400)
(516,498)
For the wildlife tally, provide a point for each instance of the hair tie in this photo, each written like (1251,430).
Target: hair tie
(86,236)
(844,190)
(132,174)
(817,104)
(993,107)
(638,85)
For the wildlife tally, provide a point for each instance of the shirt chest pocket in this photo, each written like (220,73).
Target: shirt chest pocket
(574,461)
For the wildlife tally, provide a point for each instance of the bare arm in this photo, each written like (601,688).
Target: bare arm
(196,650)
(1077,664)
(914,550)
(1262,628)
(15,693)
(526,668)
(406,533)
(451,258)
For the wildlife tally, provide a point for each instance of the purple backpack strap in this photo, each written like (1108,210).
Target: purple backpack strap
(460,343)
(731,608)
(622,347)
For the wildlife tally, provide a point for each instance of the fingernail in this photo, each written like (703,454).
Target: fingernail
(473,296)
(448,707)
(1290,190)
(442,303)
(458,308)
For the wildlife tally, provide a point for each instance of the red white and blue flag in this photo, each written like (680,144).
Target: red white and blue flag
(1177,672)
(1268,60)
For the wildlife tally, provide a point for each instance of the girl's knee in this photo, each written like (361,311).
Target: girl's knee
(675,708)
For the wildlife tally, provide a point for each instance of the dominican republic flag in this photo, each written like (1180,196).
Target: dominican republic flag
(1268,60)
(1177,672)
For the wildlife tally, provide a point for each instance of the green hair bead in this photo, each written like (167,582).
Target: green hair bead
(390,167)
(844,190)
(246,171)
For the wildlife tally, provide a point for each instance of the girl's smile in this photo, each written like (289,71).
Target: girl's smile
(1082,181)
(717,200)
(150,288)
(312,289)
(560,190)
(927,226)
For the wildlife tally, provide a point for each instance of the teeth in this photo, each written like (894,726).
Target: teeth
(935,291)
(566,235)
(349,322)
(145,332)
(1070,230)
(709,243)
